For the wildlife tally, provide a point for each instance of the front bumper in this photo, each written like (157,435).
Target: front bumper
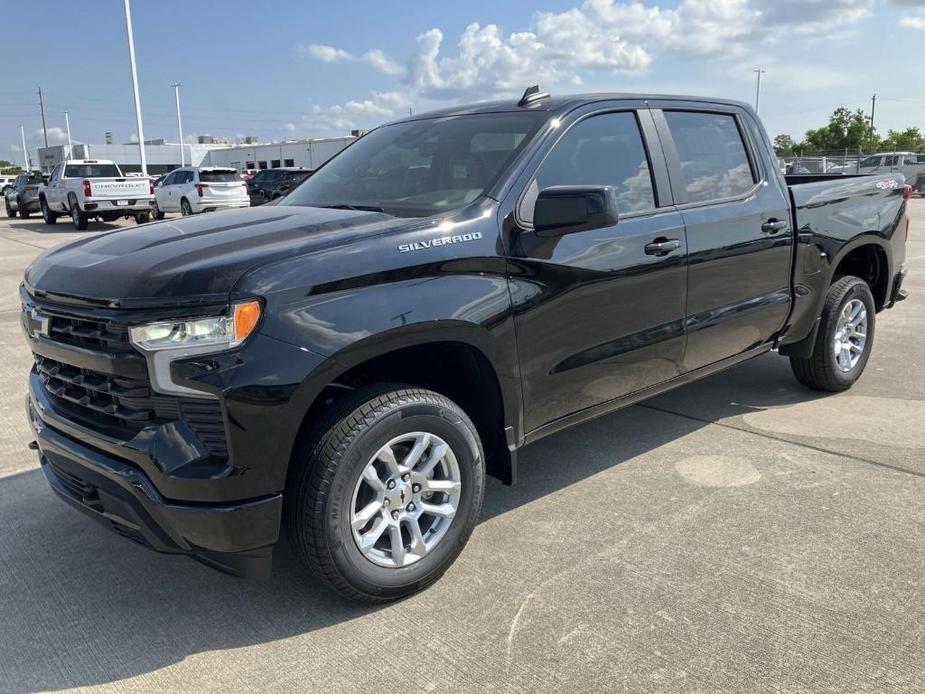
(236,538)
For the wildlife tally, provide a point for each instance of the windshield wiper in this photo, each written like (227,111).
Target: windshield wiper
(361,208)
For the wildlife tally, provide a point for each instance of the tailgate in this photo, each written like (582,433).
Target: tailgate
(119,188)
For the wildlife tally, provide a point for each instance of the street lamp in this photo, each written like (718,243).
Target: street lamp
(176,92)
(131,57)
(25,152)
(70,147)
(760,72)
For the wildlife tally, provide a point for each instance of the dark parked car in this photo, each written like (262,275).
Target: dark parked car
(352,362)
(22,197)
(269,181)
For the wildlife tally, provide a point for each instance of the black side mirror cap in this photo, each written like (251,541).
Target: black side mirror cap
(568,209)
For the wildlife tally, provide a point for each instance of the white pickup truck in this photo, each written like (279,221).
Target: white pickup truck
(85,188)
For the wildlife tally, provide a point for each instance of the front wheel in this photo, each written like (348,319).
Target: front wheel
(844,341)
(156,211)
(384,499)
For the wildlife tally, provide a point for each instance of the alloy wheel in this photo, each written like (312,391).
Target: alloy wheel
(850,335)
(405,499)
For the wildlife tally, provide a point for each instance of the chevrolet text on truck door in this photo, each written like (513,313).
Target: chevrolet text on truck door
(94,188)
(350,363)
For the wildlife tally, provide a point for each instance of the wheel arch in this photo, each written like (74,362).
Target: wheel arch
(454,358)
(869,258)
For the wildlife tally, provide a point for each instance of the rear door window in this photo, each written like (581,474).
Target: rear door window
(603,150)
(714,158)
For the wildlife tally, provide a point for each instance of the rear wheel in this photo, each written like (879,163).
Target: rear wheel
(10,212)
(78,216)
(49,216)
(185,208)
(142,218)
(844,340)
(23,210)
(384,499)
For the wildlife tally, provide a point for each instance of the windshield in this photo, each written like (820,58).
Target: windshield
(420,168)
(219,175)
(92,171)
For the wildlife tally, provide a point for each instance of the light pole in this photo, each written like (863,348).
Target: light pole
(70,147)
(25,152)
(176,92)
(131,57)
(759,72)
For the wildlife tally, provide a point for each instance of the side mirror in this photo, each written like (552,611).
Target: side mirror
(566,209)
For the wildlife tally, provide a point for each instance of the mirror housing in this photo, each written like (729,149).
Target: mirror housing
(567,209)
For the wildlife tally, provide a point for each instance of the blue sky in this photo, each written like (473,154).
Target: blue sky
(281,70)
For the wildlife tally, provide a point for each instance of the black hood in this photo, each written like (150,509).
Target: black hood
(196,259)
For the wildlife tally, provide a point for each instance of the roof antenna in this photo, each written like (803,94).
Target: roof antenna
(531,95)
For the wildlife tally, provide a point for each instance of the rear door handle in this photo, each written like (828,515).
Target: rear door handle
(662,246)
(772,226)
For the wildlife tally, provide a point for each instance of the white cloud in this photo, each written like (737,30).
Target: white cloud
(597,37)
(55,135)
(913,22)
(384,63)
(326,54)
(289,126)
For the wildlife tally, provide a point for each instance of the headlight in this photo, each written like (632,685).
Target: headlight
(219,332)
(164,342)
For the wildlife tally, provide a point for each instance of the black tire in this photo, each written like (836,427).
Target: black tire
(10,212)
(821,371)
(78,217)
(142,218)
(156,211)
(327,470)
(47,215)
(185,208)
(22,209)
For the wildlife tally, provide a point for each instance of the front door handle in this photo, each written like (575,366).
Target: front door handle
(772,226)
(662,246)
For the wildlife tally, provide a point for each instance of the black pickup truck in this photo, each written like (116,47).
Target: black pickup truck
(350,363)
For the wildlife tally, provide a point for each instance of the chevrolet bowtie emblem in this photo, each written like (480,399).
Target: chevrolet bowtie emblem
(36,323)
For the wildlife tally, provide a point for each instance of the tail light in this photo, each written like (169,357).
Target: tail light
(199,187)
(150,187)
(86,188)
(907,192)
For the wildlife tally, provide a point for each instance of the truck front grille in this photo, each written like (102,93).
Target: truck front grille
(116,405)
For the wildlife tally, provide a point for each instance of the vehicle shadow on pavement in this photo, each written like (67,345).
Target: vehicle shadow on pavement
(80,606)
(62,227)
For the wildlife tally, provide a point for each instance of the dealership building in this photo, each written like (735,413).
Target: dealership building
(162,156)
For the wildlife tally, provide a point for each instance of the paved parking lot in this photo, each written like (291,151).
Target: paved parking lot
(741,534)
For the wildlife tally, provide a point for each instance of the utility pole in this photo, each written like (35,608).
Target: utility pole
(176,92)
(131,57)
(25,152)
(759,72)
(873,111)
(70,147)
(42,108)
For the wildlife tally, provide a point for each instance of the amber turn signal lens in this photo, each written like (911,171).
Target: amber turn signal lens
(246,316)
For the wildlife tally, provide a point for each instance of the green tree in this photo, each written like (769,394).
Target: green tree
(846,130)
(909,140)
(9,168)
(784,145)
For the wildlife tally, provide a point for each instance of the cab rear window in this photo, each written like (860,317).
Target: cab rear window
(219,176)
(92,171)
